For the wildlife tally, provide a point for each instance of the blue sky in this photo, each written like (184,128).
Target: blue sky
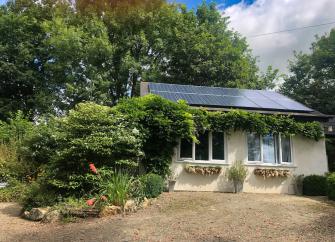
(225,3)
(194,3)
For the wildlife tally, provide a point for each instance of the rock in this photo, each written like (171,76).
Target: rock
(129,206)
(51,216)
(110,210)
(146,202)
(36,214)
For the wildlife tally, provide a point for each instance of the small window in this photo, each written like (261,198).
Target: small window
(218,145)
(254,147)
(201,148)
(269,149)
(186,148)
(286,149)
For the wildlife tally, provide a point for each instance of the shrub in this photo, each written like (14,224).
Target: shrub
(118,188)
(315,185)
(39,195)
(12,135)
(331,186)
(13,192)
(237,174)
(153,185)
(136,190)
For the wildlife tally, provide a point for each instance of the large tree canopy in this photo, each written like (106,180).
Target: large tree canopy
(56,53)
(312,77)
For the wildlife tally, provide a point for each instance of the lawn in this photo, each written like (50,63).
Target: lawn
(196,216)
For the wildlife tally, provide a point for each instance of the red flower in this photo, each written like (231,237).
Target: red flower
(93,169)
(103,198)
(91,202)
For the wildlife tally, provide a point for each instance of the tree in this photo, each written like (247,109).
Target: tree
(312,77)
(57,53)
(79,60)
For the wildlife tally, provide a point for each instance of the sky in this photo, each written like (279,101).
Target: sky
(254,17)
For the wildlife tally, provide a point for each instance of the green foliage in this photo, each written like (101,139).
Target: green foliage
(137,190)
(237,174)
(331,186)
(13,133)
(56,54)
(39,195)
(315,185)
(162,122)
(93,133)
(311,78)
(153,185)
(117,188)
(13,192)
(255,122)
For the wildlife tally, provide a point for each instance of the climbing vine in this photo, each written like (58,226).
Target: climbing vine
(254,122)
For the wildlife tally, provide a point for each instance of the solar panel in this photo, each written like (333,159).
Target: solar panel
(227,97)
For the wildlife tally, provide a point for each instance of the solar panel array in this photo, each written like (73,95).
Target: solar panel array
(227,97)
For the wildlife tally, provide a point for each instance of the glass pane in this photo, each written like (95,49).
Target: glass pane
(185,148)
(218,145)
(269,149)
(254,147)
(286,149)
(201,149)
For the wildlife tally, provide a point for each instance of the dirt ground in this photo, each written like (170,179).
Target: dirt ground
(187,216)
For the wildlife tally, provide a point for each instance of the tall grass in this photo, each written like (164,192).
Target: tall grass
(117,189)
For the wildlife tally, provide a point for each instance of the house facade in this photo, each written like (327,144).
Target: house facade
(293,155)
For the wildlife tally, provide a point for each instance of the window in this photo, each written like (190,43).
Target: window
(254,147)
(218,146)
(286,149)
(269,149)
(186,148)
(211,146)
(201,148)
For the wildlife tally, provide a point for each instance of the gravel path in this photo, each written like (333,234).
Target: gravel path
(187,216)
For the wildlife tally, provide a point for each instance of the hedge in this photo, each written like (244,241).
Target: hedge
(315,185)
(331,186)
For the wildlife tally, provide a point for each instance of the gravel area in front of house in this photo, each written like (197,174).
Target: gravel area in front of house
(191,216)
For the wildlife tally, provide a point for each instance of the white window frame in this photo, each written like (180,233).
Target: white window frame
(210,152)
(278,162)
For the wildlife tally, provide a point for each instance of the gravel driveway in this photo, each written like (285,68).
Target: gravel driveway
(191,216)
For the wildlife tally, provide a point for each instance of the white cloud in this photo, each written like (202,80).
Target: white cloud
(265,16)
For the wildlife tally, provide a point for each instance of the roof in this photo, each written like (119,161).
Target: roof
(226,98)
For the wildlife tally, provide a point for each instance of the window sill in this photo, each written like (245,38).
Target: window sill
(203,162)
(271,165)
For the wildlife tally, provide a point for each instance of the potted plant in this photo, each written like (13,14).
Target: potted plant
(172,182)
(237,174)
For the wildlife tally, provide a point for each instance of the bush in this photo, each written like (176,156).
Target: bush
(237,174)
(153,185)
(136,190)
(315,185)
(13,192)
(39,195)
(331,186)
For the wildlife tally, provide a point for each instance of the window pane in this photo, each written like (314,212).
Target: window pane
(218,145)
(185,148)
(254,147)
(201,149)
(269,149)
(286,149)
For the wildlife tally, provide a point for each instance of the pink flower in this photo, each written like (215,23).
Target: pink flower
(91,202)
(93,169)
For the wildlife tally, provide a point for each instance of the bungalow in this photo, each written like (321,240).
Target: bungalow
(294,155)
